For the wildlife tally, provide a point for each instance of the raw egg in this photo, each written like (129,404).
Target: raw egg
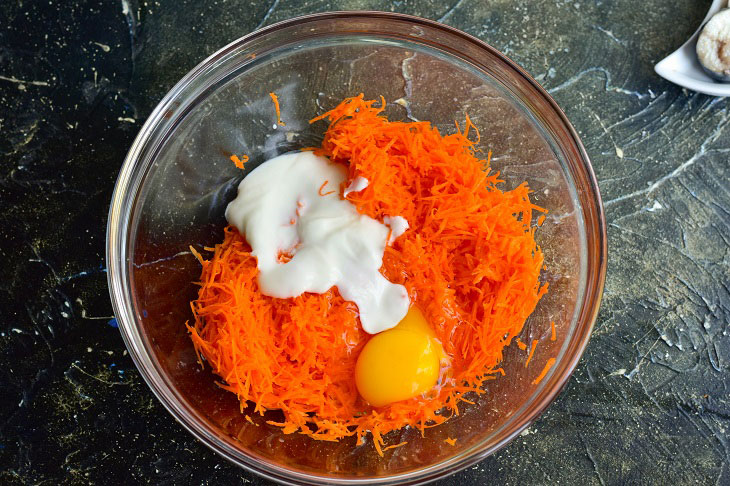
(399,363)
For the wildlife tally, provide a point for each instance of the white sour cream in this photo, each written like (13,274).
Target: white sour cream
(398,225)
(280,208)
(358,184)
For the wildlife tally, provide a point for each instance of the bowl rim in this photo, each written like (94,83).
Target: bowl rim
(117,268)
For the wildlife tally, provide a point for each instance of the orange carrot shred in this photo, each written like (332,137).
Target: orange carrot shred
(521,345)
(322,187)
(469,261)
(450,441)
(554,335)
(196,254)
(239,162)
(532,351)
(275,99)
(544,371)
(541,220)
(395,446)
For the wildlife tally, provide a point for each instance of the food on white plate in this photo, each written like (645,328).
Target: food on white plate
(713,46)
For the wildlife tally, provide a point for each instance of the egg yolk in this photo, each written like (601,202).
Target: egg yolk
(399,363)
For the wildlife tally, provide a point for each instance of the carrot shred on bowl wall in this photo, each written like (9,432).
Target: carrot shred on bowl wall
(395,446)
(239,162)
(468,260)
(275,100)
(532,351)
(544,372)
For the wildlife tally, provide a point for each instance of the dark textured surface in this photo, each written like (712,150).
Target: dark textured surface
(649,401)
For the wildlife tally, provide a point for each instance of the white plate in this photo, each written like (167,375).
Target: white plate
(682,67)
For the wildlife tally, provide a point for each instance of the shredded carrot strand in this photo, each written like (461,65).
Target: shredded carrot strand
(521,345)
(275,99)
(239,162)
(395,446)
(532,351)
(544,371)
(322,187)
(450,441)
(469,261)
(554,334)
(196,254)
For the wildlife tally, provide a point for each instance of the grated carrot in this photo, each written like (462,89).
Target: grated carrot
(544,371)
(322,187)
(469,261)
(275,99)
(532,351)
(520,344)
(554,334)
(395,446)
(450,441)
(540,220)
(239,162)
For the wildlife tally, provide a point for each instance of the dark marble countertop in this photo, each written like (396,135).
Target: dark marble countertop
(650,399)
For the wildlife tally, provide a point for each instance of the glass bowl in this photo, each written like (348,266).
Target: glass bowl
(177,180)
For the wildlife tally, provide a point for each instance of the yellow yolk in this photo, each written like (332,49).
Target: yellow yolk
(399,363)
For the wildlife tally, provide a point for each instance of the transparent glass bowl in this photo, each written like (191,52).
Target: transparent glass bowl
(177,179)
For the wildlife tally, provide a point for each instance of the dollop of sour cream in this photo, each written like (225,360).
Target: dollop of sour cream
(398,225)
(291,204)
(358,184)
